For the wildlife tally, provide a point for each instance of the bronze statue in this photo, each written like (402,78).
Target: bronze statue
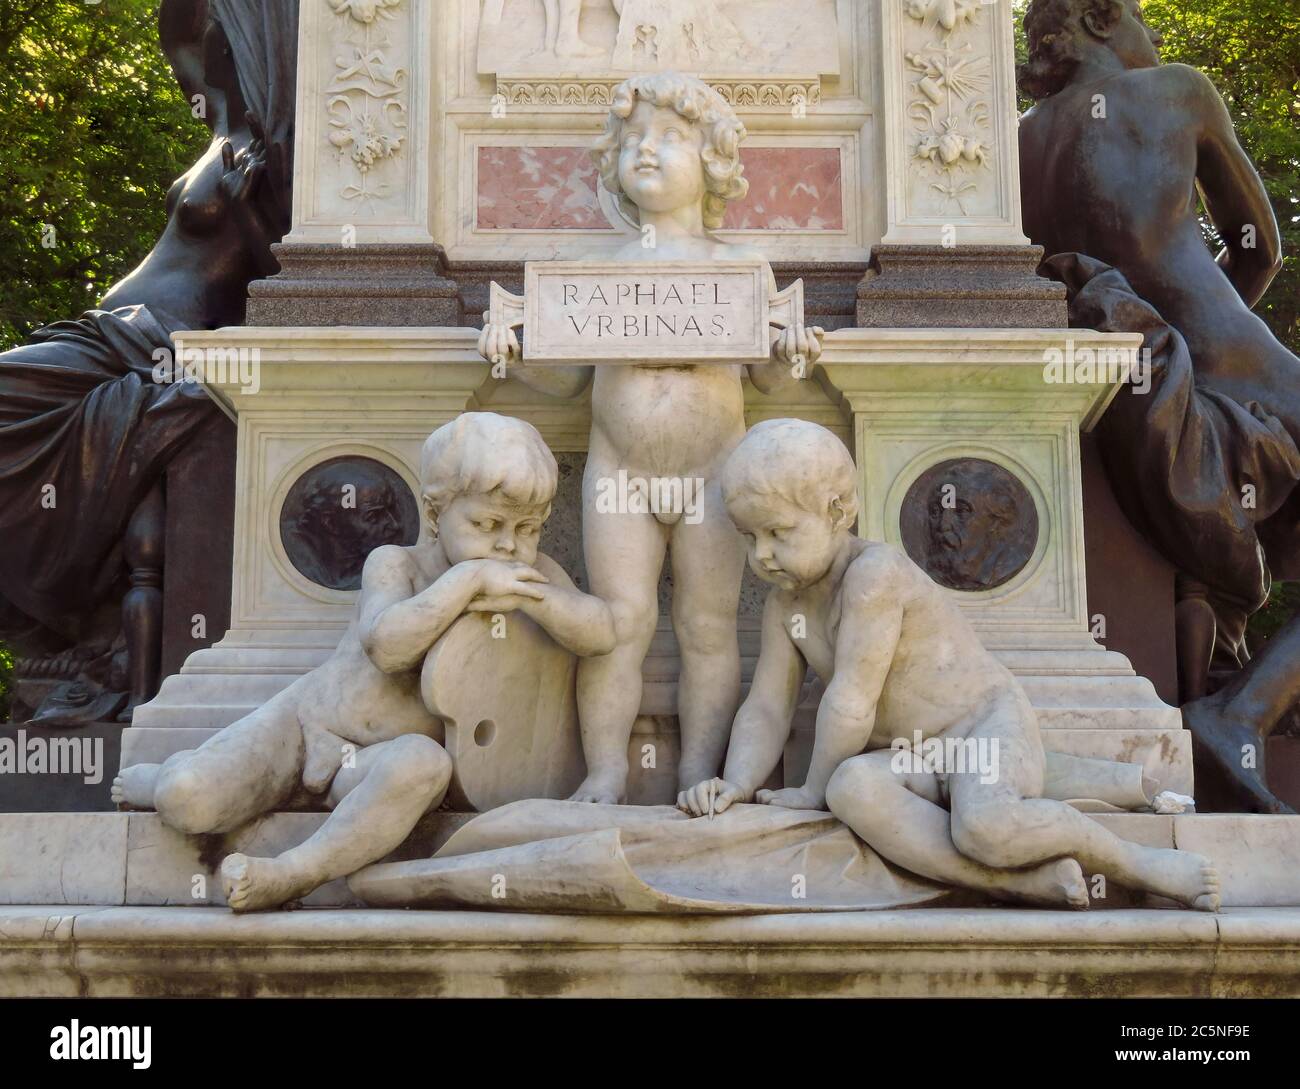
(1205,465)
(234,202)
(86,430)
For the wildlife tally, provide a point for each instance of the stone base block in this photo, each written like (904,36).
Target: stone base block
(63,858)
(1165,755)
(370,285)
(957,953)
(989,287)
(114,859)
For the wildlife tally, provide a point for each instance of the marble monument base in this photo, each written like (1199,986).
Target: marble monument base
(134,860)
(116,904)
(903,399)
(326,284)
(958,953)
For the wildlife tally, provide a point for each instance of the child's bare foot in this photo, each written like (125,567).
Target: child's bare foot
(133,787)
(1189,878)
(1051,884)
(256,884)
(601,789)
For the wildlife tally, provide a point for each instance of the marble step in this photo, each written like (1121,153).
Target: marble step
(212,702)
(50,951)
(1082,686)
(133,858)
(112,859)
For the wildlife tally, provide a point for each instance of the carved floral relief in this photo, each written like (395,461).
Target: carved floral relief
(367,100)
(948,107)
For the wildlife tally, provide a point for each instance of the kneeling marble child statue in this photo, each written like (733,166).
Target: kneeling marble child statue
(356,729)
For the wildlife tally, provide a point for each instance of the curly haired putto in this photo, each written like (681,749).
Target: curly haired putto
(694,101)
(482,453)
(1052,27)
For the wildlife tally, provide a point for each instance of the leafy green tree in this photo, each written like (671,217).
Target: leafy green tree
(93,129)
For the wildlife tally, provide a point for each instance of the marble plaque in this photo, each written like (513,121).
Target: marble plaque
(619,312)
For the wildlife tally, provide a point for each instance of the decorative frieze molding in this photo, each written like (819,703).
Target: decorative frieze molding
(740,93)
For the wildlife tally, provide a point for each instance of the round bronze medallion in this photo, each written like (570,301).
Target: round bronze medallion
(969,524)
(340,511)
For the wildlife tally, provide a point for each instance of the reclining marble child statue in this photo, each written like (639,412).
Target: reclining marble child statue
(899,662)
(356,731)
(670,154)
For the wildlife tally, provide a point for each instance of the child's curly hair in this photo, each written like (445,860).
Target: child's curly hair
(482,453)
(697,102)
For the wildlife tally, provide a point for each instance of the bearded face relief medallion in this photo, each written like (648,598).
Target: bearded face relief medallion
(970,524)
(340,511)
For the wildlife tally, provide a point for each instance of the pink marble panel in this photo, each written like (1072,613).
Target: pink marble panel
(554,188)
(790,189)
(537,189)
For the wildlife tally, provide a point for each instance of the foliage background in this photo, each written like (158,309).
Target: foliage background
(93,129)
(1251,50)
(6,680)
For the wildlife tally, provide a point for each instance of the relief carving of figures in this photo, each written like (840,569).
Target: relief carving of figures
(676,34)
(573,52)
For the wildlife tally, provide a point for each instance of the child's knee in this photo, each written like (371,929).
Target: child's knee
(186,801)
(988,833)
(635,619)
(420,762)
(705,634)
(854,786)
